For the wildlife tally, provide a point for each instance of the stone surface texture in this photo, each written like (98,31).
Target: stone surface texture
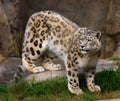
(10,66)
(103,15)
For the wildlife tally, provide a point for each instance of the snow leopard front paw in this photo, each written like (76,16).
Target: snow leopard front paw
(38,69)
(75,90)
(94,88)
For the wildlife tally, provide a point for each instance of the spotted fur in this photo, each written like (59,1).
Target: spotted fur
(77,47)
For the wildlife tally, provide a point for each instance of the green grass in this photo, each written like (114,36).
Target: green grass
(115,58)
(56,89)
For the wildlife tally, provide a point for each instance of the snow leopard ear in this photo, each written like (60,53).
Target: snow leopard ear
(98,35)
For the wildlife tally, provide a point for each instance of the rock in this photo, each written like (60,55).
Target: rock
(103,15)
(113,18)
(108,47)
(8,30)
(117,52)
(113,25)
(9,68)
(46,75)
(107,64)
(2,58)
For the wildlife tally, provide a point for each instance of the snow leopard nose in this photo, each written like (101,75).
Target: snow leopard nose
(82,46)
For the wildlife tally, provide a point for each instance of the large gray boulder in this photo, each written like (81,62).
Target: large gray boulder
(10,66)
(103,15)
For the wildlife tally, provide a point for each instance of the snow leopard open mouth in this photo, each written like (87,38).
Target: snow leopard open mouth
(84,50)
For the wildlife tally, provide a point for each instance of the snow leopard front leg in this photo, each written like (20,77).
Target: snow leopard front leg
(72,76)
(49,64)
(90,74)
